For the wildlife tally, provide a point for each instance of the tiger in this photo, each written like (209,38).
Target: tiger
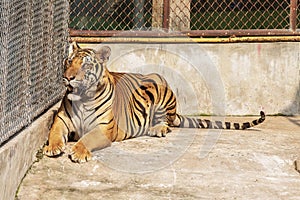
(100,107)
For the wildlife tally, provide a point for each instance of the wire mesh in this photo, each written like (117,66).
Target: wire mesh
(182,15)
(32,51)
(239,14)
(110,14)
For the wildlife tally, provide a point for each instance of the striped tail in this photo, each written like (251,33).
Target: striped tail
(188,122)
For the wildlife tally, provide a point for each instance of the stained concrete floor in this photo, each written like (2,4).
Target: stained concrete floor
(188,164)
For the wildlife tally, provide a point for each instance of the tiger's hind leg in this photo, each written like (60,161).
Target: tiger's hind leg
(164,111)
(159,130)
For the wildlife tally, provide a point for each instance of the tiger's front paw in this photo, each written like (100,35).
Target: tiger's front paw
(159,130)
(80,153)
(54,148)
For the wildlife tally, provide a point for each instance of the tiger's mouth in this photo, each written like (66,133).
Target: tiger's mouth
(70,87)
(73,92)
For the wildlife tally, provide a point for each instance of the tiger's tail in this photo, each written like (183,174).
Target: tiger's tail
(188,122)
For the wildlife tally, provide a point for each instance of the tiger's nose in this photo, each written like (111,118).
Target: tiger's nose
(69,78)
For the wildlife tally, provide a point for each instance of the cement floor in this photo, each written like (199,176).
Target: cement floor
(258,163)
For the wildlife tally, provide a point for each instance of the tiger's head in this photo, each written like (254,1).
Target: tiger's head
(85,71)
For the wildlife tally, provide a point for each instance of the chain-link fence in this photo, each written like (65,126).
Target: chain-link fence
(275,17)
(33,40)
(110,15)
(240,14)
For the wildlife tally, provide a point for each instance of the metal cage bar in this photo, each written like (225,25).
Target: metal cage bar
(293,15)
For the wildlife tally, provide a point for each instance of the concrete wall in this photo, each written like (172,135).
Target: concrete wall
(18,154)
(231,79)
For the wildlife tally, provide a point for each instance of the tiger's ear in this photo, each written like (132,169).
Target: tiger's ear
(103,54)
(73,47)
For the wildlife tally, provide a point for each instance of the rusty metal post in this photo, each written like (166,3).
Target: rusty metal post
(166,14)
(293,15)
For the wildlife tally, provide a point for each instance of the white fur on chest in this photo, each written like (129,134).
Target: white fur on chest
(82,117)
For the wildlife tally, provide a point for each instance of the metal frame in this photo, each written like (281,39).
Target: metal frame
(184,39)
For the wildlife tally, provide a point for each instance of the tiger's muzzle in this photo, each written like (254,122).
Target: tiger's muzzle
(72,86)
(74,93)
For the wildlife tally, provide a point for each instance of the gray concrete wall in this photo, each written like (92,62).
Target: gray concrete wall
(18,154)
(231,79)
